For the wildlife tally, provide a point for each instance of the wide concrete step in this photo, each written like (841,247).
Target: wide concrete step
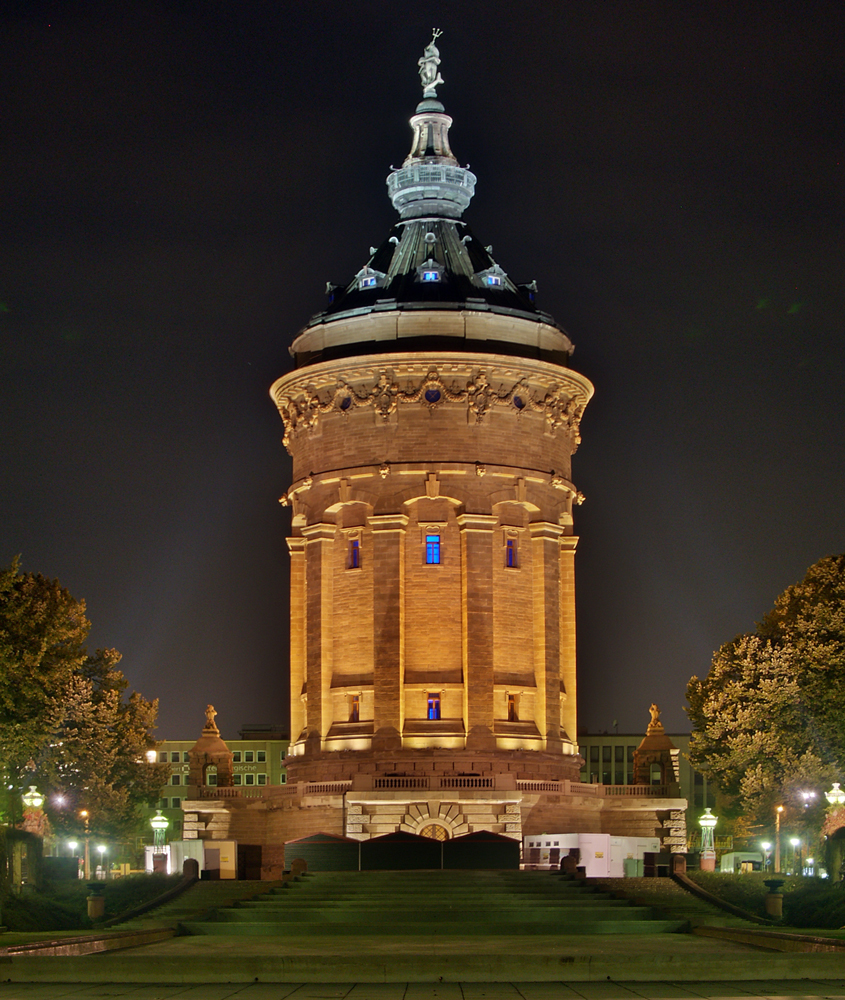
(367,903)
(574,899)
(477,929)
(425,904)
(425,916)
(377,891)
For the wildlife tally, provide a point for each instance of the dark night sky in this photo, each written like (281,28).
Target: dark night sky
(180,179)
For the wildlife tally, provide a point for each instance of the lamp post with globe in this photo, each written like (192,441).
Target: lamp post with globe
(796,855)
(102,870)
(34,818)
(159,824)
(86,819)
(834,862)
(778,811)
(835,797)
(708,822)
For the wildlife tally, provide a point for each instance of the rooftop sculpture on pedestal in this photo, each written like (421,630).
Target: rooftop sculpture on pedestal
(428,63)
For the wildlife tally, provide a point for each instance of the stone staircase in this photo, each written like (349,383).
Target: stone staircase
(199,900)
(432,903)
(667,896)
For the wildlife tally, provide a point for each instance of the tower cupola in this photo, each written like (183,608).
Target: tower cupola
(430,182)
(431,262)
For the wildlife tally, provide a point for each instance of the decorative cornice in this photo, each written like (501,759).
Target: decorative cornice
(558,393)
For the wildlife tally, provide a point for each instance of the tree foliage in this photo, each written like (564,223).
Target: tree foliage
(767,719)
(67,724)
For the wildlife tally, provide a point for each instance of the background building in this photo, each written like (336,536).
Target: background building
(258,761)
(609,760)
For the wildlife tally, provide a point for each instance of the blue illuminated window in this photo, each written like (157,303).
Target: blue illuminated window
(510,553)
(354,554)
(433,711)
(368,282)
(355,708)
(432,550)
(493,279)
(431,276)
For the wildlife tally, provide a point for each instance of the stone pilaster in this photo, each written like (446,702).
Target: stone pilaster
(319,586)
(388,540)
(477,613)
(546,562)
(568,544)
(296,546)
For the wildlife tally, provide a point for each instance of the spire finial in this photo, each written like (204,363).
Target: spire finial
(428,63)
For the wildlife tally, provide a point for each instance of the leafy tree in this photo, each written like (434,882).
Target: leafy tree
(66,723)
(767,719)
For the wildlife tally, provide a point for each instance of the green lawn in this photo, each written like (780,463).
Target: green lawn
(808,903)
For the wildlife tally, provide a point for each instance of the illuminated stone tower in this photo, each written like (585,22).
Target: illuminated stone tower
(432,417)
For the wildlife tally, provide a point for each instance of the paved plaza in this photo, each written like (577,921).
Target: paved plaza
(806,989)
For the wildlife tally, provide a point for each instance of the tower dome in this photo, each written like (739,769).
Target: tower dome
(431,260)
(432,417)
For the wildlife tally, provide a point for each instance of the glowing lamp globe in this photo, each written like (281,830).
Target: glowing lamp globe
(33,799)
(836,797)
(708,821)
(159,824)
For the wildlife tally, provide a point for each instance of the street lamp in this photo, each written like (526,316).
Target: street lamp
(836,797)
(808,798)
(159,824)
(778,811)
(708,822)
(101,849)
(83,815)
(796,843)
(33,799)
(767,847)
(33,816)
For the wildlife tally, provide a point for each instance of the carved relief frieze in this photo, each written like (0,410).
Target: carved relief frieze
(301,402)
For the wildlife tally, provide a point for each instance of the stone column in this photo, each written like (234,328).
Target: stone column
(568,544)
(297,636)
(319,587)
(388,541)
(477,612)
(546,562)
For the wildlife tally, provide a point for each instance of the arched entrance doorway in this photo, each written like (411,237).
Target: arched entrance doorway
(434,831)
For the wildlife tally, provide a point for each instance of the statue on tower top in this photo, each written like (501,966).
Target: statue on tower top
(428,63)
